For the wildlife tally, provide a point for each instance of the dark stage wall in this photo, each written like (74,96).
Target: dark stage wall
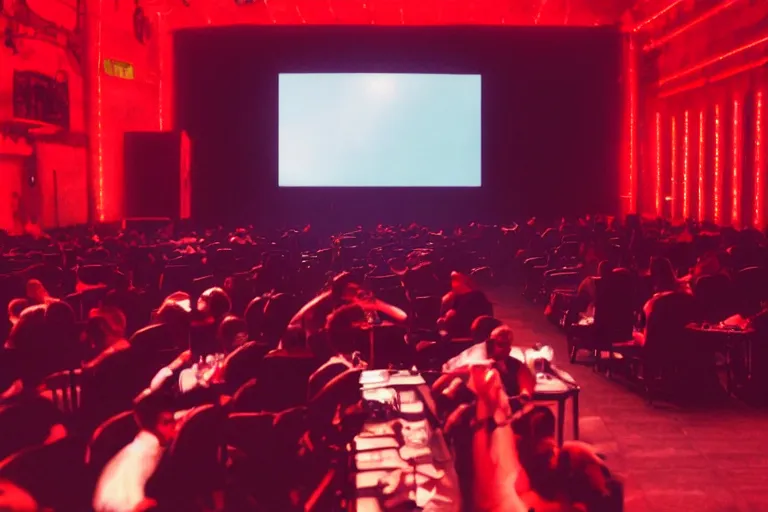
(551,119)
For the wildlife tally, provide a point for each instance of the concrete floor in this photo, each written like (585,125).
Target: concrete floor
(713,458)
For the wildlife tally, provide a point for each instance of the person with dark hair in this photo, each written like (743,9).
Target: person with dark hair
(344,334)
(120,487)
(572,476)
(461,306)
(663,278)
(313,316)
(345,290)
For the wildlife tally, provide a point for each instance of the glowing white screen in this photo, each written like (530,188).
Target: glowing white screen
(379,130)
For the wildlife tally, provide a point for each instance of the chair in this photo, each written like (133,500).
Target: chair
(667,343)
(243,364)
(533,273)
(289,374)
(613,321)
(715,294)
(64,388)
(251,433)
(108,439)
(379,283)
(194,468)
(54,474)
(483,276)
(750,288)
(425,311)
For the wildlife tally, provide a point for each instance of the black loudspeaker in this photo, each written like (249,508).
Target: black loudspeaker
(156,170)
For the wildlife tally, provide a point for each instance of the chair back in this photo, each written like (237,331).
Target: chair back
(64,388)
(108,439)
(615,307)
(289,374)
(715,294)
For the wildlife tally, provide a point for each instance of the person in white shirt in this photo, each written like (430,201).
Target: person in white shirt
(121,485)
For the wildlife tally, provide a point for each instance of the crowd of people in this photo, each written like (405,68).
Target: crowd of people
(222,369)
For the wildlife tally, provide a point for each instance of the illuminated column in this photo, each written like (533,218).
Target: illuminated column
(165,74)
(702,165)
(673,168)
(92,99)
(657,194)
(736,171)
(716,177)
(686,164)
(629,179)
(759,161)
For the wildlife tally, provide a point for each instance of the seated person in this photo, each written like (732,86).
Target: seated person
(344,291)
(314,315)
(573,476)
(517,378)
(461,306)
(344,335)
(120,487)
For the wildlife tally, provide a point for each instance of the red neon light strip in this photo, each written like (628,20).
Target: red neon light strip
(657,15)
(759,160)
(736,175)
(716,177)
(713,60)
(667,38)
(686,164)
(702,141)
(632,98)
(99,117)
(658,164)
(715,78)
(673,168)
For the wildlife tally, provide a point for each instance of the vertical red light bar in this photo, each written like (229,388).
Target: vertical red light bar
(673,168)
(759,160)
(97,129)
(658,164)
(686,163)
(702,145)
(716,173)
(632,99)
(736,174)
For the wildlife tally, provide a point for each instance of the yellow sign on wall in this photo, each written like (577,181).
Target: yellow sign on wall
(119,69)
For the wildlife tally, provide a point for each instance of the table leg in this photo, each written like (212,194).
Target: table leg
(575,405)
(372,342)
(560,421)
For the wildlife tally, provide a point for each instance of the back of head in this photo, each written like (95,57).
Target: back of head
(148,407)
(29,331)
(340,282)
(174,314)
(214,302)
(605,268)
(233,332)
(59,314)
(294,339)
(343,328)
(113,319)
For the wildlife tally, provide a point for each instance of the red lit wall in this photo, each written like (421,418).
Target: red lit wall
(704,61)
(118,105)
(23,168)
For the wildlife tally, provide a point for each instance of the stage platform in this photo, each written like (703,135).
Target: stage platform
(710,459)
